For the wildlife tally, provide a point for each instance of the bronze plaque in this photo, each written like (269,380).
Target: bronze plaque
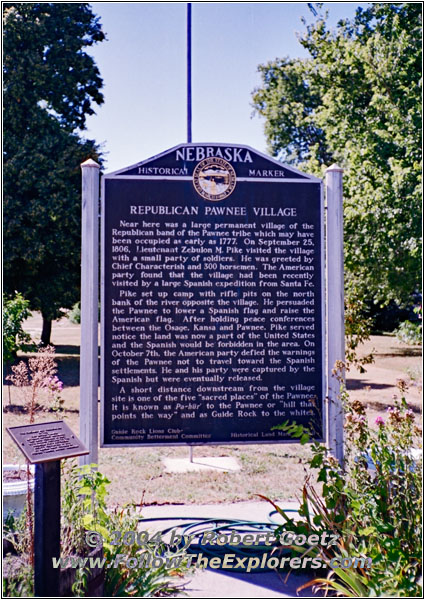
(44,442)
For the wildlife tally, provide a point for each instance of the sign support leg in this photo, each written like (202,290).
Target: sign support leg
(89,311)
(335,310)
(47,528)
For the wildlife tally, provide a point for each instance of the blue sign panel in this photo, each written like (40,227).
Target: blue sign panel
(212,302)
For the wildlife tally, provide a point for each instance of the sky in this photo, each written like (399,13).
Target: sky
(143,66)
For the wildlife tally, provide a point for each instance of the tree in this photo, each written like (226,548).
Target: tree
(50,84)
(357,101)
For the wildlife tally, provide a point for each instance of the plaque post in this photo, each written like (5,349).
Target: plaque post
(46,528)
(335,309)
(89,311)
(45,444)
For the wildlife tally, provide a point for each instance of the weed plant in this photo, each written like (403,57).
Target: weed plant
(373,504)
(84,508)
(37,381)
(18,571)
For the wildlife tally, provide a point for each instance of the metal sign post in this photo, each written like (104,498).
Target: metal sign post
(335,309)
(89,362)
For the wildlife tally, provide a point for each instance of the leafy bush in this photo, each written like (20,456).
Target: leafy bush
(18,573)
(15,311)
(84,509)
(386,318)
(410,332)
(74,315)
(147,579)
(373,505)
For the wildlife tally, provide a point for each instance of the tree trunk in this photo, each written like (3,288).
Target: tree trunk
(46,331)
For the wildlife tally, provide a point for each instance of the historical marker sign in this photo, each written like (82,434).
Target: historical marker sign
(45,442)
(212,299)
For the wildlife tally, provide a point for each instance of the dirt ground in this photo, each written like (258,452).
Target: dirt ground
(275,470)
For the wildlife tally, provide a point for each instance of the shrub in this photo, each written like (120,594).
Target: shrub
(84,509)
(74,315)
(409,332)
(18,572)
(373,505)
(15,311)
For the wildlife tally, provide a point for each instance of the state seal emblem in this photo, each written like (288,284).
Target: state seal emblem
(214,178)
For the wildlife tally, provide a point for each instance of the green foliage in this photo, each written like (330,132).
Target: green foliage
(374,506)
(408,332)
(18,573)
(72,530)
(46,70)
(295,430)
(15,311)
(357,330)
(74,315)
(356,101)
(50,83)
(141,581)
(84,508)
(42,219)
(84,492)
(19,582)
(92,492)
